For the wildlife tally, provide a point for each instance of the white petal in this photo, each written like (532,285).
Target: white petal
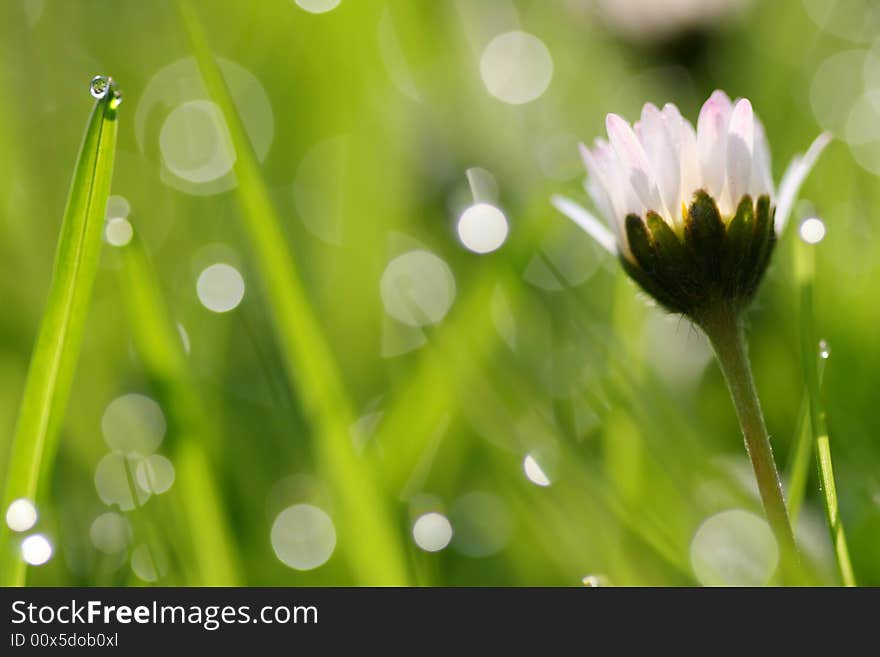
(740,146)
(794,177)
(712,141)
(602,202)
(597,183)
(762,178)
(583,218)
(620,191)
(634,161)
(687,154)
(663,157)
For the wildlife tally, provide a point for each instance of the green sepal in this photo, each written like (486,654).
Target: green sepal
(704,235)
(670,252)
(762,244)
(714,263)
(640,242)
(651,286)
(735,269)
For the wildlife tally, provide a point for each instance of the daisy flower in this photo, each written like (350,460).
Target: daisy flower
(693,214)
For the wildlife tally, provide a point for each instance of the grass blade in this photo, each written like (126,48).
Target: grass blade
(797,472)
(818,417)
(212,553)
(57,348)
(370,541)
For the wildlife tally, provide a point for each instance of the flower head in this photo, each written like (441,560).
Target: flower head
(693,213)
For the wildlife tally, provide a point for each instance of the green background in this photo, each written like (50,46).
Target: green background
(642,441)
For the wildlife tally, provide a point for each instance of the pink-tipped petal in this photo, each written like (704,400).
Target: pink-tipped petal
(740,146)
(712,141)
(794,177)
(634,161)
(663,157)
(593,227)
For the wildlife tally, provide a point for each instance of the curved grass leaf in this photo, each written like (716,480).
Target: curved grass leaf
(372,545)
(212,551)
(57,348)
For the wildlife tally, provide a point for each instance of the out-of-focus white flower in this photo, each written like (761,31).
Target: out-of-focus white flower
(689,209)
(653,20)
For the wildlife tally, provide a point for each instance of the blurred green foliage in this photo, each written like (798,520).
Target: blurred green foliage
(639,436)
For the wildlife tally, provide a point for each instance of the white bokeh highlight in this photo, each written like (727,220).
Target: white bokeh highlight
(516,67)
(220,288)
(317,6)
(118,232)
(133,424)
(432,532)
(303,537)
(36,550)
(534,472)
(195,142)
(482,228)
(155,474)
(118,207)
(148,564)
(115,482)
(110,533)
(417,288)
(812,230)
(21,515)
(734,548)
(176,120)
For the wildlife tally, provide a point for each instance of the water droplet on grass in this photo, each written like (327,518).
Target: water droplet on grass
(824,350)
(99,86)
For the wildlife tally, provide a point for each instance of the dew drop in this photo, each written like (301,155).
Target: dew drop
(99,86)
(824,350)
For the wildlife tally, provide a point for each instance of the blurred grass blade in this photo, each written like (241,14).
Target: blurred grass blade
(805,259)
(57,348)
(374,548)
(213,554)
(797,473)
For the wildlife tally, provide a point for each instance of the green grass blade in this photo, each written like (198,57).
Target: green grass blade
(57,348)
(818,417)
(212,552)
(797,472)
(368,536)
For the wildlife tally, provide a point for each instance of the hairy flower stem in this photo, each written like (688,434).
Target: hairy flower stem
(724,328)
